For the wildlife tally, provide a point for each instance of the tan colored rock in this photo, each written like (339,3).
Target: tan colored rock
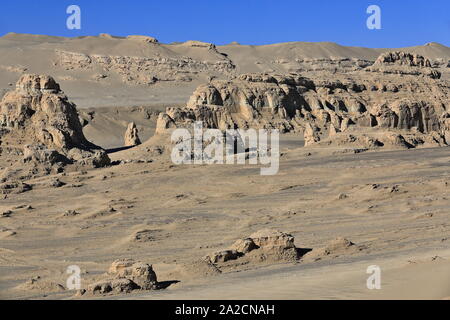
(39,107)
(40,114)
(345,124)
(118,267)
(124,276)
(164,123)
(132,136)
(146,39)
(141,274)
(223,256)
(404,63)
(41,154)
(311,135)
(112,286)
(395,139)
(339,244)
(244,245)
(290,102)
(333,130)
(403,58)
(269,239)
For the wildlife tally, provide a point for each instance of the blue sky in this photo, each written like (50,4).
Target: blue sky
(404,23)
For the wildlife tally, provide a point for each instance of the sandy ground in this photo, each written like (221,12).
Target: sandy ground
(190,211)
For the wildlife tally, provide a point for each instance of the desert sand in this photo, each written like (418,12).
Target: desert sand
(86,177)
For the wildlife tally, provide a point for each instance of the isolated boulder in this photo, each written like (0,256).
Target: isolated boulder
(141,274)
(266,244)
(124,276)
(131,136)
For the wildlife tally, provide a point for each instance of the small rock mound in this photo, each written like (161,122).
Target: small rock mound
(332,249)
(124,276)
(199,268)
(39,284)
(145,39)
(266,244)
(338,244)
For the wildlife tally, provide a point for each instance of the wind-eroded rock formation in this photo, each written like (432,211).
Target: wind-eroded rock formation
(38,122)
(399,62)
(131,137)
(145,70)
(291,102)
(125,276)
(259,246)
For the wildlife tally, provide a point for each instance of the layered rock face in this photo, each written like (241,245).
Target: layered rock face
(403,58)
(38,117)
(294,103)
(399,62)
(146,70)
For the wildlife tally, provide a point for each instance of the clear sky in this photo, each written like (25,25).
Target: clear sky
(403,22)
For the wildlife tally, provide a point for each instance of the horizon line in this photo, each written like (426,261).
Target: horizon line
(220,45)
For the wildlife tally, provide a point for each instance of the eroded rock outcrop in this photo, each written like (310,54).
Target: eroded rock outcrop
(266,244)
(39,122)
(294,103)
(399,62)
(145,70)
(403,58)
(124,276)
(131,138)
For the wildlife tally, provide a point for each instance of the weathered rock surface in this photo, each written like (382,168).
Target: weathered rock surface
(145,70)
(311,135)
(112,286)
(132,136)
(294,103)
(404,63)
(266,244)
(41,109)
(124,276)
(403,58)
(41,127)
